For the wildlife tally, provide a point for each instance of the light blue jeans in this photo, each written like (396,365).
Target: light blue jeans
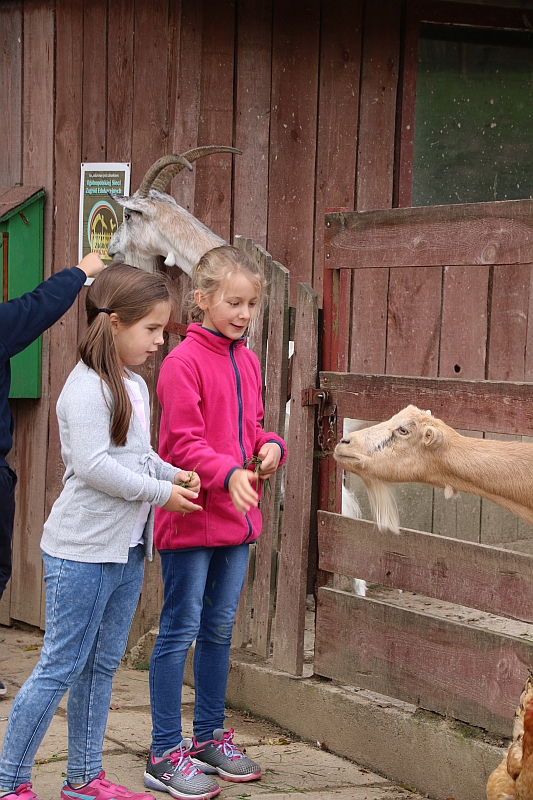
(89,609)
(202,590)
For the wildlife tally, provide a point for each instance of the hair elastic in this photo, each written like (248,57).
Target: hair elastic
(105,310)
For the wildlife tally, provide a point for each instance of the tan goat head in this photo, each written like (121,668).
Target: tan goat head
(414,446)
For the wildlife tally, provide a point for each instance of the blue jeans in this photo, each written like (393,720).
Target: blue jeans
(89,609)
(202,589)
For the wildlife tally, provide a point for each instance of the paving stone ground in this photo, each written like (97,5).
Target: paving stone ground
(291,768)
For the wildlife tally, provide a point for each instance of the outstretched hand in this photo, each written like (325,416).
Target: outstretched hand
(181,499)
(91,264)
(241,488)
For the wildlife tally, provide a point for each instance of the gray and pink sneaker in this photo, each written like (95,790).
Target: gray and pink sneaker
(175,773)
(220,756)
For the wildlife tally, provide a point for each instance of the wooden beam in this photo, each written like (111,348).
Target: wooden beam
(438,659)
(474,234)
(476,575)
(495,406)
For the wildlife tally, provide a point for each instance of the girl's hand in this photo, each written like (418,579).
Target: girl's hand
(181,500)
(191,479)
(241,489)
(270,455)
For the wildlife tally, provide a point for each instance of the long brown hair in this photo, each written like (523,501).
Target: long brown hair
(131,294)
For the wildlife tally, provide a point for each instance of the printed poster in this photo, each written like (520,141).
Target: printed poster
(100,215)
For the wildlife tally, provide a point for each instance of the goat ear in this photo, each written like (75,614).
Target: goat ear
(431,436)
(134,203)
(119,198)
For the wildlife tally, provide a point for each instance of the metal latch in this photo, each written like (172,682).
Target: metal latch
(315,397)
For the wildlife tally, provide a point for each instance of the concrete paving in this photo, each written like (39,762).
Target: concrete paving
(291,768)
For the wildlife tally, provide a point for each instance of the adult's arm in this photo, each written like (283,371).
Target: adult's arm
(24,318)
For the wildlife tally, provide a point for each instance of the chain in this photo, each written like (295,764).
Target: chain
(326,445)
(320,438)
(332,429)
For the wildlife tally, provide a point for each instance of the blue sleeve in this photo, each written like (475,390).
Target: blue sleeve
(24,318)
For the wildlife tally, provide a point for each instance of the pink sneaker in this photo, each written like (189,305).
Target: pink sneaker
(22,792)
(99,788)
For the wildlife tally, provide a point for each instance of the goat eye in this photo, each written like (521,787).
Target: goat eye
(126,215)
(402,431)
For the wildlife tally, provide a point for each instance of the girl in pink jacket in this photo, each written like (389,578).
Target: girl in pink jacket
(210,393)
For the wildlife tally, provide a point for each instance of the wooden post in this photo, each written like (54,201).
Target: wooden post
(272,326)
(292,576)
(240,625)
(275,403)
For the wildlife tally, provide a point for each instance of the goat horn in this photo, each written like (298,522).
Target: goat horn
(156,168)
(169,172)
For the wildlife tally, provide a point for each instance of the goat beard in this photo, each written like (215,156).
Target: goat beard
(383,505)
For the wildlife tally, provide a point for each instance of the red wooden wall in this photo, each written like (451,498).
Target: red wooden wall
(310,93)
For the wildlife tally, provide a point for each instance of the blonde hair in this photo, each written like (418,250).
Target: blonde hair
(131,294)
(214,269)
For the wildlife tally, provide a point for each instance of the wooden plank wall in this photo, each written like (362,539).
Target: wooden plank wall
(309,92)
(92,80)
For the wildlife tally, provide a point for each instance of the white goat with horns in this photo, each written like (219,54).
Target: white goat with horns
(155,225)
(415,447)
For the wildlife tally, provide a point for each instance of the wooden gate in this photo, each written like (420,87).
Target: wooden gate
(447,623)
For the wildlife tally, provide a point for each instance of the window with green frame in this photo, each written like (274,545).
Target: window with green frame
(473,120)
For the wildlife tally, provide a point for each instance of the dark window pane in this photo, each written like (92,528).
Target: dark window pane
(474,116)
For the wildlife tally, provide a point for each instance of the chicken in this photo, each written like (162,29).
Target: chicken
(513,778)
(500,785)
(524,781)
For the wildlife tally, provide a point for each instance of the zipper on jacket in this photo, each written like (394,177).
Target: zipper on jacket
(232,348)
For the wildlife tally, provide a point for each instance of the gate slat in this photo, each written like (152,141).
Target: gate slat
(496,406)
(475,575)
(444,665)
(292,574)
(275,402)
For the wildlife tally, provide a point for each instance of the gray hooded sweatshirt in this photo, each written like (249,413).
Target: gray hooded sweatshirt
(104,485)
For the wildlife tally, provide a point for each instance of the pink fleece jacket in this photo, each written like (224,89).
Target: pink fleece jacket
(209,388)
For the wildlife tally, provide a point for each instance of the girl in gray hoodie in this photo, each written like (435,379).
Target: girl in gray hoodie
(97,535)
